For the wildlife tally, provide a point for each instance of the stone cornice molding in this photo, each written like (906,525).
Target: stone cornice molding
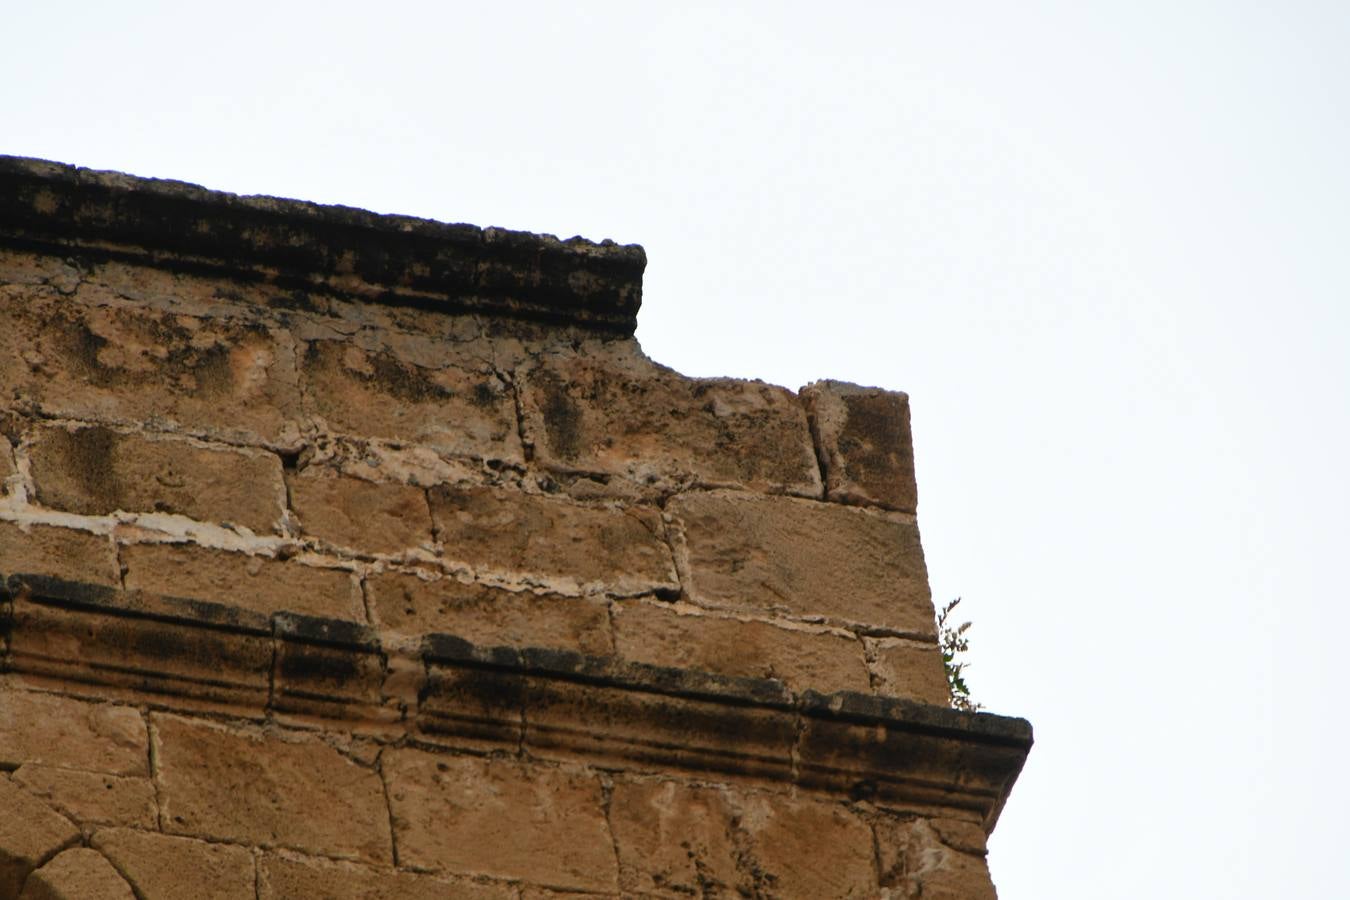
(554,704)
(396,260)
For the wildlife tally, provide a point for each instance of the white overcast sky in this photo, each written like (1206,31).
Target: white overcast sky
(1102,245)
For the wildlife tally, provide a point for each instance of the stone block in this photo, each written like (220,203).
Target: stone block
(363,516)
(911,669)
(377,394)
(93,798)
(58,553)
(500,818)
(93,470)
(164,867)
(7,468)
(47,729)
(804,558)
(916,863)
(329,668)
(254,788)
(30,832)
(806,848)
(255,583)
(553,543)
(863,437)
(232,380)
(664,635)
(290,876)
(472,706)
(489,616)
(675,839)
(77,874)
(614,412)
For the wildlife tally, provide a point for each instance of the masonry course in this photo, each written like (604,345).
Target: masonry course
(349,555)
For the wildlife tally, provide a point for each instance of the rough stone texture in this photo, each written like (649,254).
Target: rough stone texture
(500,818)
(565,545)
(77,874)
(743,551)
(57,552)
(238,579)
(674,839)
(660,635)
(92,798)
(93,470)
(163,867)
(614,412)
(30,833)
(229,380)
(361,515)
(377,394)
(913,669)
(489,616)
(916,864)
(863,437)
(288,877)
(805,848)
(47,729)
(6,464)
(245,787)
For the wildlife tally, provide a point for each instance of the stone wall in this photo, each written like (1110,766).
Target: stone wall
(358,556)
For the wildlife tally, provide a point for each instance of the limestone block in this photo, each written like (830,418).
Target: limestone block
(46,729)
(7,469)
(252,788)
(363,516)
(328,668)
(807,848)
(674,838)
(94,471)
(290,876)
(663,635)
(377,394)
(237,579)
(489,616)
(555,543)
(612,411)
(915,863)
(58,553)
(30,832)
(77,874)
(500,818)
(744,551)
(233,380)
(864,439)
(911,669)
(93,798)
(163,867)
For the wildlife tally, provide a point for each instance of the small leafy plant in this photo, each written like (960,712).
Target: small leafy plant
(953,641)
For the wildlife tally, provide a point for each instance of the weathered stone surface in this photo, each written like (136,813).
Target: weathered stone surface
(807,848)
(361,515)
(92,798)
(912,669)
(237,579)
(45,729)
(290,876)
(613,411)
(863,437)
(500,818)
(744,551)
(77,874)
(377,394)
(675,839)
(7,469)
(231,380)
(30,832)
(93,470)
(57,552)
(915,863)
(163,867)
(246,787)
(489,616)
(553,542)
(664,635)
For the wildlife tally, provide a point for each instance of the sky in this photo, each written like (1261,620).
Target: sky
(1101,245)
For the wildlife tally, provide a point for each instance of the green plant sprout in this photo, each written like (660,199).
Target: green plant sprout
(953,642)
